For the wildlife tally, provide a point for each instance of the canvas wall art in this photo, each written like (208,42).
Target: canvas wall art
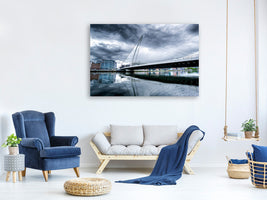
(144,59)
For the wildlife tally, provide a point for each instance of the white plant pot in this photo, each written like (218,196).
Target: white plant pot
(13,150)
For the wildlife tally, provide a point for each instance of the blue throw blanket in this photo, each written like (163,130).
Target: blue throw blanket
(169,166)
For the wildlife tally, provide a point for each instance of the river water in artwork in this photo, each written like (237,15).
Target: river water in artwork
(166,83)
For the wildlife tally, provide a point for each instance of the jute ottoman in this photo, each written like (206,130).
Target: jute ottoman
(87,186)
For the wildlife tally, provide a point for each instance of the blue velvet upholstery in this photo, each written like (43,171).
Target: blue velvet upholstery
(71,162)
(43,150)
(37,129)
(63,141)
(32,143)
(57,152)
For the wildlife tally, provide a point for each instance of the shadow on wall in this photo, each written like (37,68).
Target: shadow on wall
(4,132)
(88,157)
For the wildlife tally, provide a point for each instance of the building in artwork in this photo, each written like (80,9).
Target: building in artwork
(95,66)
(103,65)
(108,65)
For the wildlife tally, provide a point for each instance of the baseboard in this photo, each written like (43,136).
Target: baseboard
(149,165)
(209,164)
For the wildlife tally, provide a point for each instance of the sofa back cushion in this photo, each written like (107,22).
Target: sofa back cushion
(160,135)
(126,135)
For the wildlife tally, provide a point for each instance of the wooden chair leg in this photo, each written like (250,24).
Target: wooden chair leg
(24,172)
(7,176)
(102,166)
(45,173)
(187,168)
(14,177)
(77,172)
(49,171)
(20,175)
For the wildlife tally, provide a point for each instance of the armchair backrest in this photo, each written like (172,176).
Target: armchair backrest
(33,124)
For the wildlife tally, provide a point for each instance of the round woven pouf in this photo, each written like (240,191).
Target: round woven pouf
(87,186)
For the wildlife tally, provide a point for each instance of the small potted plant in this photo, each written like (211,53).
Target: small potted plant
(248,127)
(12,144)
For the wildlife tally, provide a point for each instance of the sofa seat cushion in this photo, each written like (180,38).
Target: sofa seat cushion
(61,151)
(147,150)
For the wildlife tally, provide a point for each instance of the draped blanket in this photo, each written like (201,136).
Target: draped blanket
(169,166)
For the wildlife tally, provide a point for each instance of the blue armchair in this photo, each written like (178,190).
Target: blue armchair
(43,150)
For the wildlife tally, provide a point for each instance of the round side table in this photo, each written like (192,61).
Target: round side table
(14,163)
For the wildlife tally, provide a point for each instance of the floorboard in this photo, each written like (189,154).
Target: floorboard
(207,183)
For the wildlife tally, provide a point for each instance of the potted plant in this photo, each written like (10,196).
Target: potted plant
(12,144)
(248,127)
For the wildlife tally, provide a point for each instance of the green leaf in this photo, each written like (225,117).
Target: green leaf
(248,125)
(12,141)
(4,145)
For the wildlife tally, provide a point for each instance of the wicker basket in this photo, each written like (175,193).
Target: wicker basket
(237,171)
(258,172)
(87,186)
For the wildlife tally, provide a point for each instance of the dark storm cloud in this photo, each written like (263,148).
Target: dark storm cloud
(158,38)
(125,32)
(193,28)
(107,52)
(161,41)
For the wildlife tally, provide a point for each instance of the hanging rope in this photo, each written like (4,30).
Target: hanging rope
(226,73)
(256,73)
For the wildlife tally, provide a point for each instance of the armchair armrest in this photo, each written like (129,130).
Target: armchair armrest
(63,141)
(32,143)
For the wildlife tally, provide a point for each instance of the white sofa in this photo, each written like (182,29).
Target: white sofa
(139,143)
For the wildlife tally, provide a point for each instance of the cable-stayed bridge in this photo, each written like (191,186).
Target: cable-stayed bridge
(132,62)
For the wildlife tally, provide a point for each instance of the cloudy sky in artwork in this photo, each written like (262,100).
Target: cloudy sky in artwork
(161,42)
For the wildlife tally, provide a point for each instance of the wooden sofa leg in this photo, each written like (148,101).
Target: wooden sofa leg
(187,168)
(24,172)
(45,173)
(49,171)
(102,166)
(77,172)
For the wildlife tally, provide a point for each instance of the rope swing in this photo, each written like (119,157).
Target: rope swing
(256,74)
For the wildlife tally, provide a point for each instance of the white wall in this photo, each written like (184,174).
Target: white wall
(44,50)
(5,128)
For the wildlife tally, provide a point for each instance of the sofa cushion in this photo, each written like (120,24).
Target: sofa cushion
(147,150)
(61,151)
(126,135)
(101,142)
(160,135)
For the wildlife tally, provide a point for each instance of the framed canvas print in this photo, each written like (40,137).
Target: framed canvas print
(144,59)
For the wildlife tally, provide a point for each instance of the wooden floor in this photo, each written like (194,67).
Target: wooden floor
(207,183)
